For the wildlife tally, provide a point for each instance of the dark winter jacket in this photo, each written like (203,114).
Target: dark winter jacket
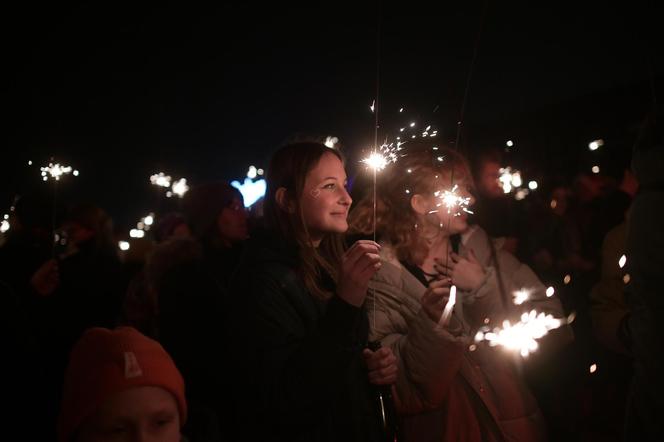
(301,374)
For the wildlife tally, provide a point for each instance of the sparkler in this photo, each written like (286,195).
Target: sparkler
(509,179)
(452,201)
(55,171)
(447,311)
(180,187)
(161,180)
(384,155)
(523,335)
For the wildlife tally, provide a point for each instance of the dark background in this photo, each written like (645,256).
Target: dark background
(121,91)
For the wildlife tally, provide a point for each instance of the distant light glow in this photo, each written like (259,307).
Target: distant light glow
(75,173)
(596,144)
(567,279)
(4,226)
(520,194)
(593,368)
(251,190)
(595,169)
(509,143)
(148,220)
(626,278)
(55,171)
(550,291)
(123,245)
(180,187)
(622,261)
(331,142)
(161,180)
(509,179)
(521,296)
(136,233)
(532,185)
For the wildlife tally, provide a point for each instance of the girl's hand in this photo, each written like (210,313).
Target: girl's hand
(358,265)
(435,298)
(466,274)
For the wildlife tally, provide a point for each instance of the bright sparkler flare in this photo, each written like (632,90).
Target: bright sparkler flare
(386,154)
(180,187)
(55,171)
(509,179)
(161,180)
(452,201)
(523,335)
(521,296)
(447,311)
(622,261)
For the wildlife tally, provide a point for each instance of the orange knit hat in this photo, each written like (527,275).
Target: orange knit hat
(104,362)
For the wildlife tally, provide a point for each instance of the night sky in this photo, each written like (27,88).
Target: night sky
(121,91)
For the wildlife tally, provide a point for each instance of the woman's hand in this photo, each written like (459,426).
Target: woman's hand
(382,365)
(466,273)
(435,298)
(358,265)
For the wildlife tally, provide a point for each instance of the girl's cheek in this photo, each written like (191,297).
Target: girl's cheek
(315,193)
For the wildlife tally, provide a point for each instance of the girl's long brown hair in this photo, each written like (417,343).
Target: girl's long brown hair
(289,168)
(424,169)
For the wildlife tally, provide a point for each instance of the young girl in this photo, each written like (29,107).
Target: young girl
(300,328)
(445,390)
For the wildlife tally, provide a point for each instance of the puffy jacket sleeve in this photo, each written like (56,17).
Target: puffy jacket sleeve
(429,355)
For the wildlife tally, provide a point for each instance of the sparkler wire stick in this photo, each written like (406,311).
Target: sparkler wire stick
(451,301)
(375,149)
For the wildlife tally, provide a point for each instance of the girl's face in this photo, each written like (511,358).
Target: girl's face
(447,208)
(325,201)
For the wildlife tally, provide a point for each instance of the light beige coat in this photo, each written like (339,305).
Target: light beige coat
(444,390)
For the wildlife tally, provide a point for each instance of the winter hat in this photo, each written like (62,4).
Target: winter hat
(104,362)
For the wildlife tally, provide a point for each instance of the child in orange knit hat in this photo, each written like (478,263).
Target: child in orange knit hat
(121,386)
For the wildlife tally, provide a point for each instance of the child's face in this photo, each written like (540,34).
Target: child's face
(144,414)
(325,201)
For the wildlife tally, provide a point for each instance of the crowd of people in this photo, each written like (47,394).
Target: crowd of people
(332,314)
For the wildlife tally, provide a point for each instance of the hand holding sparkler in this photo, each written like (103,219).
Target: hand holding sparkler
(436,298)
(382,366)
(466,273)
(358,265)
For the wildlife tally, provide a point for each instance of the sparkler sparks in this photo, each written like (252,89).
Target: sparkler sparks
(521,296)
(452,201)
(386,154)
(161,180)
(622,261)
(56,171)
(509,179)
(596,144)
(523,335)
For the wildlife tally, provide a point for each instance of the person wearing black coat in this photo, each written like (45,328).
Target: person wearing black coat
(297,322)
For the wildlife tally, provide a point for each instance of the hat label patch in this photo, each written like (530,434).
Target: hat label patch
(132,369)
